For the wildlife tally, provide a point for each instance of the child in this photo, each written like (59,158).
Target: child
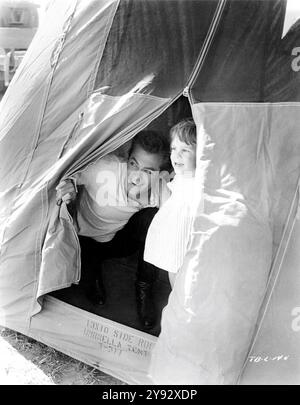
(169,232)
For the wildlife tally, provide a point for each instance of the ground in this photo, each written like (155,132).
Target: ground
(25,361)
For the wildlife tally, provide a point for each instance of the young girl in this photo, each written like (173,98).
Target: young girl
(168,234)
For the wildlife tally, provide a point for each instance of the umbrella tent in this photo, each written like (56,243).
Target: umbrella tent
(95,74)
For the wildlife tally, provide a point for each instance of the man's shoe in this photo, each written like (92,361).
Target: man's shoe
(145,304)
(96,292)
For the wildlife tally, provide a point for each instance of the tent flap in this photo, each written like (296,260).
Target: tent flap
(218,294)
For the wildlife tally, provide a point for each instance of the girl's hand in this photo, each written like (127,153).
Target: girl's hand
(65,191)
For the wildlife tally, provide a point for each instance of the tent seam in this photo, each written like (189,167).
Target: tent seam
(36,259)
(205,47)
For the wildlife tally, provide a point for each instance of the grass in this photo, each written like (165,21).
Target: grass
(38,360)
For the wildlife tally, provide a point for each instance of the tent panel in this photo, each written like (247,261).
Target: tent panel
(282,76)
(35,70)
(18,144)
(14,157)
(234,67)
(80,55)
(274,358)
(20,256)
(109,346)
(160,39)
(22,109)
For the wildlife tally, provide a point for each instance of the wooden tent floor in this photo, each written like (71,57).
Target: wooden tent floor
(119,277)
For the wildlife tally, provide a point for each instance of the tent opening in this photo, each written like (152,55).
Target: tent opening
(119,274)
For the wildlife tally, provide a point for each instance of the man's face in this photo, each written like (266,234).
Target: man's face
(140,167)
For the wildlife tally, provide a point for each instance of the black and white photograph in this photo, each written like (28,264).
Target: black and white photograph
(150,194)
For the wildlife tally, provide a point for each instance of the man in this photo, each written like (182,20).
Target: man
(115,203)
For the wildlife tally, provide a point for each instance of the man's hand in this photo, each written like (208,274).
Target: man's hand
(65,191)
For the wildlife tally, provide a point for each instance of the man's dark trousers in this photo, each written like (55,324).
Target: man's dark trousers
(127,241)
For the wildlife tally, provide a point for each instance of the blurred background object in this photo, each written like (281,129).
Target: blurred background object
(19,21)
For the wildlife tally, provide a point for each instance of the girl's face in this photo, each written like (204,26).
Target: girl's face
(183,157)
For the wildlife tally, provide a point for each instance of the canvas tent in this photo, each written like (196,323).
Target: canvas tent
(95,74)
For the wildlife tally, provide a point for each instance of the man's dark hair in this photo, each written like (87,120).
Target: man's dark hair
(154,142)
